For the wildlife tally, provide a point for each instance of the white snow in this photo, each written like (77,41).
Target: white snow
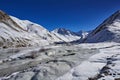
(91,67)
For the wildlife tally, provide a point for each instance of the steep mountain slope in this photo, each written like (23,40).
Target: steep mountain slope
(66,35)
(18,33)
(109,30)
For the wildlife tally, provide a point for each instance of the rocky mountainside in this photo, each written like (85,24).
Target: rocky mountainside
(21,33)
(68,36)
(108,31)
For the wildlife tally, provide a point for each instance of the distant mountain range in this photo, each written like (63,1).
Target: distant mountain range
(21,33)
(67,35)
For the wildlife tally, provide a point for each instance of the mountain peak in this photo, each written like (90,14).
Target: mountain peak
(63,31)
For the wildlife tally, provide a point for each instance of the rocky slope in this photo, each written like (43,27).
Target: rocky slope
(109,30)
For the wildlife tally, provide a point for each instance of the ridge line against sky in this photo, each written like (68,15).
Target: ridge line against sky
(71,14)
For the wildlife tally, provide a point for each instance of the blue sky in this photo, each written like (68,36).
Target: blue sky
(71,14)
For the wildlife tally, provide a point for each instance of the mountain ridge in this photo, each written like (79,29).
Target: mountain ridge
(19,33)
(109,30)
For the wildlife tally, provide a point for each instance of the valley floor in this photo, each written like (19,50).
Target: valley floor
(94,61)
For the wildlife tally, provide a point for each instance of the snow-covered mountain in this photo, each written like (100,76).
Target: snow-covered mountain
(109,30)
(68,36)
(36,28)
(19,33)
